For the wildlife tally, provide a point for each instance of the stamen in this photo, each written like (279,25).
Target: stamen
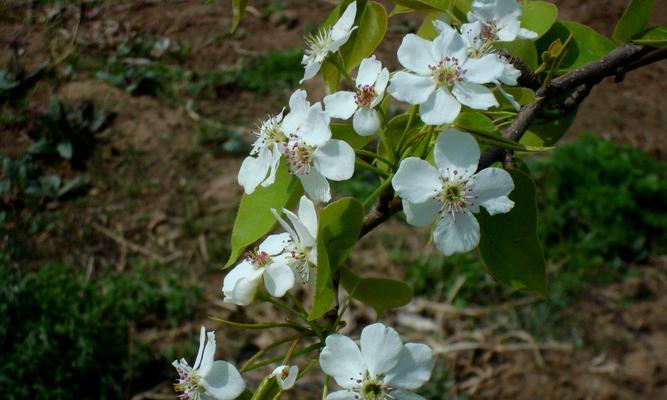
(364,95)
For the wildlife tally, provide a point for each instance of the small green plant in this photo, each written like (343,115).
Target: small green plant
(67,131)
(64,336)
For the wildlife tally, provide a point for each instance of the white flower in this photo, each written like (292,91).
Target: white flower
(266,263)
(207,379)
(439,69)
(302,250)
(264,156)
(286,376)
(311,154)
(384,368)
(371,83)
(500,20)
(328,40)
(453,191)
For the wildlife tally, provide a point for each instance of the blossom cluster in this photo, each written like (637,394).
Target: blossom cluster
(460,67)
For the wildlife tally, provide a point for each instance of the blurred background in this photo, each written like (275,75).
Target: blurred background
(122,128)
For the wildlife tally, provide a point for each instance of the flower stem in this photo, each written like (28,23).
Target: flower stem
(375,156)
(340,65)
(325,388)
(305,350)
(266,349)
(408,125)
(376,193)
(363,164)
(257,325)
(288,356)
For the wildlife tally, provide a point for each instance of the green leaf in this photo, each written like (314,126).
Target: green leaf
(424,5)
(587,45)
(372,28)
(509,245)
(547,132)
(267,389)
(525,50)
(653,37)
(346,133)
(254,218)
(238,9)
(538,16)
(476,122)
(521,95)
(380,293)
(65,150)
(338,231)
(634,20)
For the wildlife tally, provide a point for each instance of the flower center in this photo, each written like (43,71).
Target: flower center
(317,44)
(258,258)
(269,133)
(299,262)
(447,72)
(455,197)
(371,388)
(364,95)
(299,158)
(489,32)
(188,383)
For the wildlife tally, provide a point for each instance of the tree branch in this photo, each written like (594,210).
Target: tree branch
(624,58)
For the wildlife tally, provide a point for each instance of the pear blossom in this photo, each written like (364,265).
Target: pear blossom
(371,83)
(441,76)
(500,20)
(311,154)
(207,379)
(328,40)
(452,192)
(267,264)
(261,165)
(286,376)
(301,252)
(381,368)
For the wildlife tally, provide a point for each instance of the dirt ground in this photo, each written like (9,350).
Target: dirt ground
(622,353)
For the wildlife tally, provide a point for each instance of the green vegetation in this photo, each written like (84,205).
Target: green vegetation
(65,335)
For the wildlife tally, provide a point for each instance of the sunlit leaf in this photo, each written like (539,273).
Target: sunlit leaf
(634,20)
(538,16)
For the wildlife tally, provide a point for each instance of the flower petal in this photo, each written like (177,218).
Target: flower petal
(380,87)
(298,106)
(316,186)
(449,43)
(343,26)
(483,70)
(240,284)
(474,95)
(340,105)
(366,121)
(200,352)
(440,108)
(302,231)
(526,34)
(411,88)
(421,214)
(456,234)
(275,163)
(413,368)
(369,70)
(314,129)
(509,31)
(342,395)
(308,215)
(254,169)
(287,382)
(207,355)
(492,185)
(335,160)
(415,54)
(416,180)
(275,244)
(381,347)
(278,279)
(311,68)
(456,155)
(223,381)
(342,360)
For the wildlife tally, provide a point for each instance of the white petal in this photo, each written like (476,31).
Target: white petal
(526,34)
(308,215)
(483,70)
(241,283)
(369,70)
(314,130)
(421,214)
(223,381)
(416,180)
(474,95)
(380,87)
(411,88)
(440,108)
(254,169)
(298,109)
(510,74)
(401,395)
(316,186)
(413,368)
(509,32)
(278,279)
(456,234)
(415,54)
(343,26)
(312,67)
(448,43)
(456,154)
(305,238)
(275,244)
(381,347)
(366,121)
(492,185)
(342,395)
(342,360)
(200,352)
(471,32)
(207,355)
(508,97)
(335,160)
(340,105)
(285,225)
(287,382)
(275,163)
